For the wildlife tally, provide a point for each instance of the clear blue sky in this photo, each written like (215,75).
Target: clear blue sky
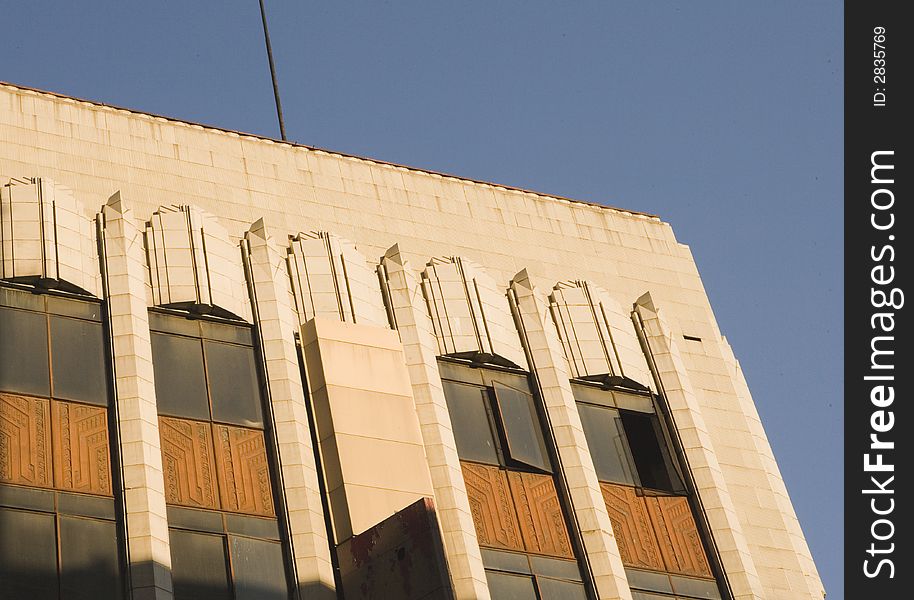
(724,118)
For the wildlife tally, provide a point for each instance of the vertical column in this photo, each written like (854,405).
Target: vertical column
(547,362)
(421,349)
(674,383)
(141,455)
(276,323)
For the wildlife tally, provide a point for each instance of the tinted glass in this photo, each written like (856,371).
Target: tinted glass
(649,454)
(470,420)
(27,570)
(89,506)
(188,518)
(78,360)
(198,566)
(24,353)
(518,414)
(179,379)
(23,497)
(505,561)
(649,596)
(258,568)
(648,580)
(695,588)
(233,384)
(608,447)
(88,560)
(555,589)
(244,525)
(554,567)
(510,587)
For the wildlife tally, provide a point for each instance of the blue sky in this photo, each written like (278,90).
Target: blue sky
(724,118)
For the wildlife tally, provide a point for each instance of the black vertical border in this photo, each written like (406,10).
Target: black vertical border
(873,124)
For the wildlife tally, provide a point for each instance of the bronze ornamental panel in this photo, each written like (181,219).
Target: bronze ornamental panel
(680,543)
(539,512)
(492,507)
(25,440)
(187,463)
(243,470)
(632,527)
(80,445)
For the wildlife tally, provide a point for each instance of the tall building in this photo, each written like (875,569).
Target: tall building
(236,368)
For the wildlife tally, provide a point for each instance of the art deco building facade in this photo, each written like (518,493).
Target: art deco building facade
(235,368)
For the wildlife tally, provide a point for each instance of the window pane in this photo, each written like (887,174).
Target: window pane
(179,379)
(470,420)
(554,567)
(198,566)
(648,580)
(259,571)
(510,587)
(505,561)
(27,570)
(24,353)
(554,589)
(89,567)
(649,453)
(522,430)
(78,359)
(695,588)
(233,384)
(608,447)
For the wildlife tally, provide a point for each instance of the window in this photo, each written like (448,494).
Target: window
(626,440)
(648,585)
(528,577)
(224,532)
(56,490)
(494,418)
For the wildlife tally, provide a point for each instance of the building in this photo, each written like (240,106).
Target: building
(232,367)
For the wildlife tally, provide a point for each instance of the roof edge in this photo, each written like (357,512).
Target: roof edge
(264,138)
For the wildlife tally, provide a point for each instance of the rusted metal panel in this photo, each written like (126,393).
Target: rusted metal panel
(678,537)
(187,463)
(539,512)
(632,527)
(80,448)
(492,506)
(25,440)
(243,470)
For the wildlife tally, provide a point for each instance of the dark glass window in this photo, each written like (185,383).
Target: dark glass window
(198,567)
(78,359)
(655,468)
(88,560)
(24,352)
(608,446)
(556,589)
(179,376)
(467,405)
(233,384)
(258,569)
(28,570)
(521,424)
(505,586)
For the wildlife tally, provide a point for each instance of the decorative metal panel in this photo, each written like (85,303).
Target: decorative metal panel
(632,527)
(492,506)
(25,440)
(470,312)
(192,263)
(46,233)
(597,335)
(539,512)
(243,471)
(680,542)
(331,278)
(80,446)
(187,463)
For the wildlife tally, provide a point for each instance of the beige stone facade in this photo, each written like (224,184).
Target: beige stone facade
(370,273)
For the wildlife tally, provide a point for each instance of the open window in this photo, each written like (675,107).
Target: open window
(523,435)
